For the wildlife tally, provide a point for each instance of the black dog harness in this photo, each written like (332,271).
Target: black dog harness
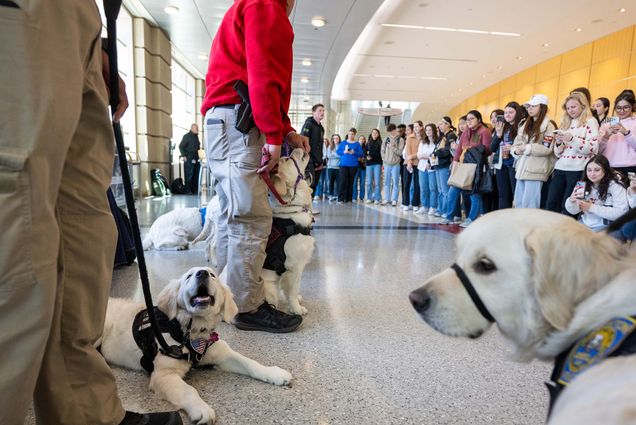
(472,293)
(145,339)
(282,229)
(615,338)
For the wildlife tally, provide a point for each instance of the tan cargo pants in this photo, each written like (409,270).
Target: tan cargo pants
(57,232)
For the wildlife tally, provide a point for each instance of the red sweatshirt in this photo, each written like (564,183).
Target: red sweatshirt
(470,140)
(254,44)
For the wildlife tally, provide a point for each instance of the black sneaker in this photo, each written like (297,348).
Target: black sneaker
(161,418)
(267,319)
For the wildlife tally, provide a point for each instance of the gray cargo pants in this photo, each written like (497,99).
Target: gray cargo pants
(245,220)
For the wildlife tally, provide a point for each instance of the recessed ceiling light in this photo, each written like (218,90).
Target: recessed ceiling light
(622,10)
(545,44)
(519,57)
(171,10)
(578,29)
(483,75)
(306,62)
(318,21)
(470,84)
(203,56)
(304,80)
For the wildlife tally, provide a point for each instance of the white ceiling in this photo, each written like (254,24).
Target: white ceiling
(387,58)
(354,36)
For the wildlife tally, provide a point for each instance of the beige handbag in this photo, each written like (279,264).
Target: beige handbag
(462,175)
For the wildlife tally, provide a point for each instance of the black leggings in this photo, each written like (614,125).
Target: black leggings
(506,184)
(347,176)
(561,188)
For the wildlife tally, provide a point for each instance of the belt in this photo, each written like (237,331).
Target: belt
(226,106)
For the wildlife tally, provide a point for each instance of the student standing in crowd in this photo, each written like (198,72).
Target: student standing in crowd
(410,175)
(360,178)
(506,129)
(333,168)
(428,182)
(321,187)
(575,143)
(349,151)
(602,200)
(315,132)
(391,153)
(441,159)
(477,135)
(618,139)
(602,107)
(374,167)
(534,151)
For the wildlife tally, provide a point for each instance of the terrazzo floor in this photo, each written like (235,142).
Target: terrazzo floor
(361,356)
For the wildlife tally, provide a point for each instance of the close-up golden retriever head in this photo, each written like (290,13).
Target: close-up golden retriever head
(530,268)
(198,293)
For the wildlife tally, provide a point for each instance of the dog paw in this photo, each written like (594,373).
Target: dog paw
(203,415)
(278,376)
(299,309)
(182,248)
(300,299)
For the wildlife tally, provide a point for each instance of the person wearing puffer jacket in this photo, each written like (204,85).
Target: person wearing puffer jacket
(534,150)
(574,144)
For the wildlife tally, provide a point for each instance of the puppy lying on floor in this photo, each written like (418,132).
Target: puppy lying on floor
(190,308)
(174,230)
(290,246)
(558,292)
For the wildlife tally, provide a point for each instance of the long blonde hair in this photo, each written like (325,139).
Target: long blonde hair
(586,113)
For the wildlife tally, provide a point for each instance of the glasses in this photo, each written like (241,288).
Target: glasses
(623,108)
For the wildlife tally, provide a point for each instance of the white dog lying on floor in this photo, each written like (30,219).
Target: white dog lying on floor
(192,307)
(290,246)
(174,230)
(557,291)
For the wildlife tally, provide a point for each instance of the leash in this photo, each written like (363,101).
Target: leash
(472,293)
(111,9)
(265,158)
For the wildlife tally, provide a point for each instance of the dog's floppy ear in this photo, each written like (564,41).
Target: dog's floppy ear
(569,264)
(230,309)
(167,301)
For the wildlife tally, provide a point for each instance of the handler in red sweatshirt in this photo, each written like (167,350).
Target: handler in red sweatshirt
(253,44)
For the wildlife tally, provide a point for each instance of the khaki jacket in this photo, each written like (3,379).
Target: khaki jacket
(537,159)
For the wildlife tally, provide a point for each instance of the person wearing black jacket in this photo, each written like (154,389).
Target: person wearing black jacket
(189,149)
(373,154)
(442,158)
(314,130)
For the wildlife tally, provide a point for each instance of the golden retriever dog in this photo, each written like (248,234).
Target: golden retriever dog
(547,282)
(174,230)
(282,286)
(194,305)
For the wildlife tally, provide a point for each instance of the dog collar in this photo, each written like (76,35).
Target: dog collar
(615,338)
(472,293)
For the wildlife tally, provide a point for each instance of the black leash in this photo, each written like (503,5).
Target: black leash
(111,8)
(472,293)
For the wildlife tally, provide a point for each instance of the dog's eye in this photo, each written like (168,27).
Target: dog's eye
(484,265)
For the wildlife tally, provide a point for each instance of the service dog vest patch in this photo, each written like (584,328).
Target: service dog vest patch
(615,338)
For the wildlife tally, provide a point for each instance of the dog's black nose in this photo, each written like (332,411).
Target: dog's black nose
(420,300)
(202,274)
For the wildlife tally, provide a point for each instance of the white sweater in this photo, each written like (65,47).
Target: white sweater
(573,155)
(424,151)
(601,213)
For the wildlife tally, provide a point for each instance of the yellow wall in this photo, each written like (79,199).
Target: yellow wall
(606,66)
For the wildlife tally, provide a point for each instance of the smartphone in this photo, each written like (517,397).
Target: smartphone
(613,120)
(580,189)
(500,118)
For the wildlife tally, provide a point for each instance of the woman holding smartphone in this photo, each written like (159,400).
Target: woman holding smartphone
(601,198)
(506,129)
(575,143)
(618,135)
(349,151)
(333,167)
(602,107)
(534,151)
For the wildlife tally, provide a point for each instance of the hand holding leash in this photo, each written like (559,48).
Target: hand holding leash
(271,155)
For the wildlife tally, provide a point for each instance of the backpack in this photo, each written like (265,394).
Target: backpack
(178,187)
(159,183)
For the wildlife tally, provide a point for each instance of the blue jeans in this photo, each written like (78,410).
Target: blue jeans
(321,187)
(475,204)
(441,175)
(373,182)
(428,189)
(359,179)
(391,181)
(528,193)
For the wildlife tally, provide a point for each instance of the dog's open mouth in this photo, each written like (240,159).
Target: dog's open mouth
(202,298)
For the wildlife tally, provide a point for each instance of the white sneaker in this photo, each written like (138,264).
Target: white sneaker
(438,214)
(316,198)
(383,203)
(466,223)
(394,204)
(368,201)
(378,203)
(431,211)
(420,211)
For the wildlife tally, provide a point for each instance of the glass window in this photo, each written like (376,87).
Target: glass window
(183,106)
